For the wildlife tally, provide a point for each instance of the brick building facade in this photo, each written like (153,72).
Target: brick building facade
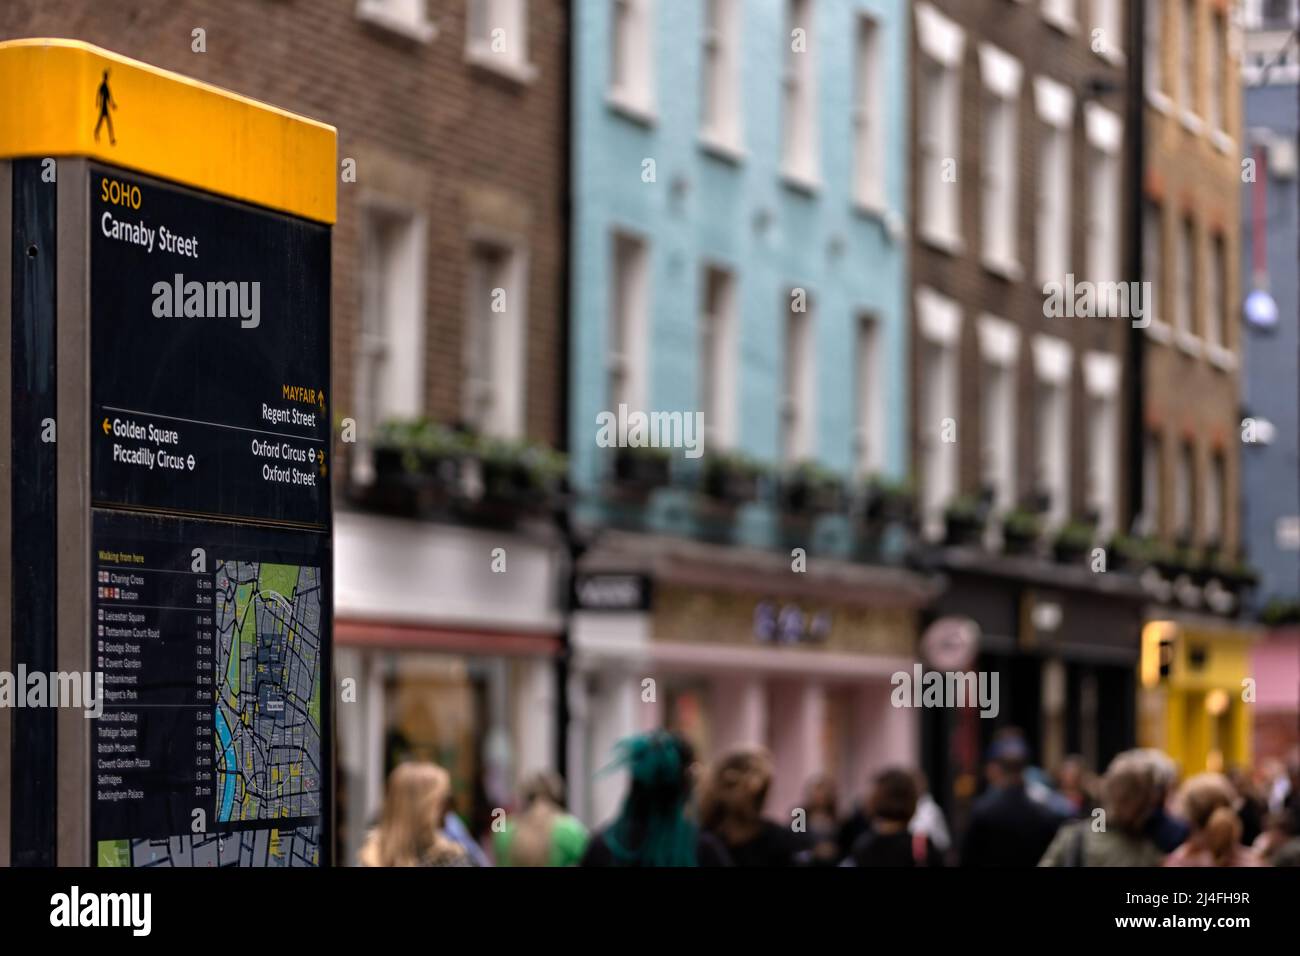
(406,98)
(1191,249)
(448,299)
(1020,409)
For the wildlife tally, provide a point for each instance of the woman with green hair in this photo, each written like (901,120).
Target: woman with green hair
(652,828)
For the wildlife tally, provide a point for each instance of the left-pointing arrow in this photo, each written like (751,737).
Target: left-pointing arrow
(107,427)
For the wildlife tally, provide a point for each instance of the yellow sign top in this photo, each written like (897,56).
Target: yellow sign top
(68,98)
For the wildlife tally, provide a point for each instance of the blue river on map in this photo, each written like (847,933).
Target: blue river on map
(228,762)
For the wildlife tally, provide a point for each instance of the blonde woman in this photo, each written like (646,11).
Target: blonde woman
(410,831)
(1209,804)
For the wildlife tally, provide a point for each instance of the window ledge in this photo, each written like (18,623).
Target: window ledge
(1008,269)
(1189,343)
(952,245)
(376,13)
(481,56)
(889,220)
(1221,357)
(1223,142)
(1066,24)
(1160,331)
(1160,102)
(1112,56)
(641,113)
(1191,122)
(802,182)
(722,147)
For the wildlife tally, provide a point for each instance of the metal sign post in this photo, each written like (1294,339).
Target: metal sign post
(165,517)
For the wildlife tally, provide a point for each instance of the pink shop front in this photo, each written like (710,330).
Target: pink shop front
(731,647)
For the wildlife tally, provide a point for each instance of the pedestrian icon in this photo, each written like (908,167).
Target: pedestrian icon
(104,100)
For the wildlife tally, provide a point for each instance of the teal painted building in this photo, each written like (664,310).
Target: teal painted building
(738,250)
(799,181)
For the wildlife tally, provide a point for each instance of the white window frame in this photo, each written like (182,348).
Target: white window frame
(1188,64)
(1151,484)
(511,17)
(1212,308)
(800,147)
(1053,367)
(1154,65)
(1185,491)
(1218,79)
(407,18)
(629,321)
(1000,167)
(493,396)
(1102,376)
(1153,264)
(1214,510)
(869,155)
(1000,354)
(799,382)
(939,323)
(942,44)
(718,355)
(1062,14)
(1185,267)
(1219,347)
(390,372)
(1104,207)
(632,52)
(1108,17)
(869,397)
(721,123)
(1054,103)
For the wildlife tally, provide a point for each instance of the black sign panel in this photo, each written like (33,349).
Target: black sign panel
(611,591)
(211,641)
(209,355)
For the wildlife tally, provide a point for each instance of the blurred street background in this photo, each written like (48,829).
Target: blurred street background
(747,369)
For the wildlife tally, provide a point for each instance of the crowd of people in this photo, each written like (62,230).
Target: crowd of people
(677,812)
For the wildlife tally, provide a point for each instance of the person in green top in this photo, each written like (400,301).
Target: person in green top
(542,833)
(1131,793)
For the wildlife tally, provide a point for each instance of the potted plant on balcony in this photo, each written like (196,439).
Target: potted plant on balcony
(1128,553)
(1021,529)
(732,478)
(964,521)
(1166,559)
(642,469)
(1235,574)
(417,465)
(1280,613)
(886,502)
(809,488)
(1073,541)
(1190,564)
(520,472)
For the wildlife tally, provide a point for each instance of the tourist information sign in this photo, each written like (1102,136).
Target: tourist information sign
(165,521)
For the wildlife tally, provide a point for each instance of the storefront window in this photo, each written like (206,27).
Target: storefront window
(687,713)
(453,711)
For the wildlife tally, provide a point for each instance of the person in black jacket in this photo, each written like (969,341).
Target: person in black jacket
(731,808)
(1008,827)
(887,841)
